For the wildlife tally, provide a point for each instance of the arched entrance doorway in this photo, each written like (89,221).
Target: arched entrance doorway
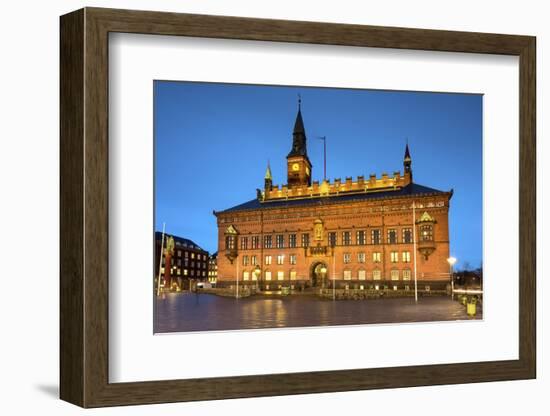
(318,274)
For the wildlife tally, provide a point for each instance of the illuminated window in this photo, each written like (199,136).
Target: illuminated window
(375,236)
(244,243)
(376,257)
(193,254)
(179,272)
(293,275)
(280,259)
(305,240)
(361,257)
(346,238)
(394,274)
(255,242)
(292,259)
(268,275)
(280,275)
(361,274)
(229,244)
(426,232)
(347,274)
(280,241)
(292,240)
(347,258)
(406,274)
(246,275)
(332,239)
(245,260)
(185,272)
(253,260)
(406,255)
(268,241)
(376,275)
(267,259)
(394,256)
(361,238)
(392,236)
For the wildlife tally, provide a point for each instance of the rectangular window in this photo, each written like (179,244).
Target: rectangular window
(394,256)
(178,262)
(332,239)
(280,259)
(347,258)
(179,253)
(361,274)
(305,240)
(245,260)
(292,240)
(346,238)
(347,274)
(280,241)
(267,260)
(375,237)
(186,254)
(292,259)
(280,275)
(253,260)
(361,257)
(376,257)
(193,254)
(406,274)
(376,275)
(392,236)
(406,255)
(246,275)
(185,272)
(395,275)
(293,275)
(268,276)
(361,238)
(256,241)
(268,241)
(229,244)
(244,243)
(426,232)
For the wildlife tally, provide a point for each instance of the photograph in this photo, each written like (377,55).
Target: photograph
(291,206)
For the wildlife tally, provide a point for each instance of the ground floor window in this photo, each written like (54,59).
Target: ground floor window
(347,274)
(246,275)
(361,274)
(293,275)
(376,275)
(280,275)
(268,275)
(395,275)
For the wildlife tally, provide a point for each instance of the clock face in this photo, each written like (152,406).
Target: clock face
(295,167)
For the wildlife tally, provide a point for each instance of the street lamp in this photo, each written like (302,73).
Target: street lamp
(323,273)
(257,272)
(451,261)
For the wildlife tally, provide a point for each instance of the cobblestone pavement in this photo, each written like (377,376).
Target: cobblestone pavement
(181,312)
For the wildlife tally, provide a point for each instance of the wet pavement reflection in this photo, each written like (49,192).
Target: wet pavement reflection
(182,312)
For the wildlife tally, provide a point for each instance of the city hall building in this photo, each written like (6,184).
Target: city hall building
(375,232)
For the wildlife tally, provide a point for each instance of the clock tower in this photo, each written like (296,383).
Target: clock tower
(298,164)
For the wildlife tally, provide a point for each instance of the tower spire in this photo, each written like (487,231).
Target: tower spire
(299,147)
(268,178)
(407,161)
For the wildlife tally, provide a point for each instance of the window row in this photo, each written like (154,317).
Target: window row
(347,275)
(344,238)
(186,254)
(185,272)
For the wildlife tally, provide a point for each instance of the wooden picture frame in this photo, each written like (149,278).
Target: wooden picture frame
(84,207)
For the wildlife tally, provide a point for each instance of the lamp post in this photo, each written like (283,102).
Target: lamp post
(257,272)
(323,273)
(452,261)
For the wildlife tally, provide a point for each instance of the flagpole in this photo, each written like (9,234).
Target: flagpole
(414,253)
(160,261)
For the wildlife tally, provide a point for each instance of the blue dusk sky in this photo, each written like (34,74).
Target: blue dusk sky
(213,142)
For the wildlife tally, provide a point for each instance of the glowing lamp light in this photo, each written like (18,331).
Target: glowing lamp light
(451,260)
(323,269)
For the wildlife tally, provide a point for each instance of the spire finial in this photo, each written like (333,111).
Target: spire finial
(268,174)
(299,101)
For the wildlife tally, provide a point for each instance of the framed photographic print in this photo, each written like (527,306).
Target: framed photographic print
(255,207)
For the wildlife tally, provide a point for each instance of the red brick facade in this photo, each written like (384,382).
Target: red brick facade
(359,233)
